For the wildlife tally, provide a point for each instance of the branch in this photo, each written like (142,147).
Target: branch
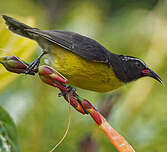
(51,77)
(89,143)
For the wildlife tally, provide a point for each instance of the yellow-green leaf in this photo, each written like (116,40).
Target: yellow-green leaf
(11,43)
(8,135)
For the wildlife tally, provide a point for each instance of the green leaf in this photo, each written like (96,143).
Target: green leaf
(10,44)
(8,135)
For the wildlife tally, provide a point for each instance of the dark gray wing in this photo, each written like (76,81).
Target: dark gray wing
(76,43)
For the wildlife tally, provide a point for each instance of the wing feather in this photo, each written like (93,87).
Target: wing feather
(76,43)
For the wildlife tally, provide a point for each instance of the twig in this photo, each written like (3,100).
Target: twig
(51,77)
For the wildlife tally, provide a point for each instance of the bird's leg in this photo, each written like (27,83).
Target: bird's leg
(70,90)
(35,64)
(51,77)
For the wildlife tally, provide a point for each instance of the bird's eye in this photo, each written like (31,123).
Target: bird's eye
(138,65)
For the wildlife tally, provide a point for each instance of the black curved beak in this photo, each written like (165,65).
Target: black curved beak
(150,73)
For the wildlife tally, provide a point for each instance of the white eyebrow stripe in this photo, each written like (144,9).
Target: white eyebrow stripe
(126,58)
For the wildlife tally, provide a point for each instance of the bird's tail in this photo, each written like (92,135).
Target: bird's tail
(18,27)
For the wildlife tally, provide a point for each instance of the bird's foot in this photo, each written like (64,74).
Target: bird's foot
(51,77)
(68,89)
(35,64)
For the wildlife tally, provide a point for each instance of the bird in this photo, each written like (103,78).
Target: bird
(84,62)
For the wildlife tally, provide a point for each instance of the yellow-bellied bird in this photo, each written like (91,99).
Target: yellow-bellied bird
(83,61)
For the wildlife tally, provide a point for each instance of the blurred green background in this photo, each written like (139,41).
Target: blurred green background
(138,112)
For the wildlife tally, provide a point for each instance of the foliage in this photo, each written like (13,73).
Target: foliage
(8,136)
(10,44)
(136,28)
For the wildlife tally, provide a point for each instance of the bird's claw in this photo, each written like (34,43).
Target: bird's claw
(68,90)
(33,67)
(35,64)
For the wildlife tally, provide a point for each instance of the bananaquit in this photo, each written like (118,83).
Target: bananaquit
(83,61)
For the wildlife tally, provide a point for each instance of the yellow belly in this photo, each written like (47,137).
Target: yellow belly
(83,73)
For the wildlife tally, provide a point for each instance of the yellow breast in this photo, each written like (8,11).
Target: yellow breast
(83,73)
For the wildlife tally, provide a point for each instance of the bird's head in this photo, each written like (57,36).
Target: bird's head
(133,68)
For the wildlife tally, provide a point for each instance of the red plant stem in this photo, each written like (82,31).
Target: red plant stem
(115,138)
(50,76)
(85,107)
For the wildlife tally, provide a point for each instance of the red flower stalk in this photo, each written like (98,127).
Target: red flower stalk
(49,76)
(14,64)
